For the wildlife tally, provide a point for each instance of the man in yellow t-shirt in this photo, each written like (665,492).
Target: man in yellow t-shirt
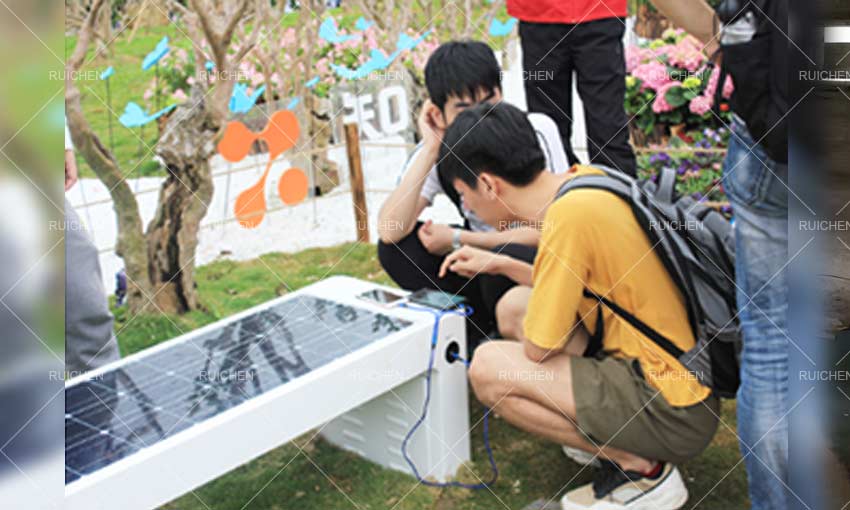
(631,404)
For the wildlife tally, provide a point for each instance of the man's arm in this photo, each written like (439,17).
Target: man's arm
(438,239)
(404,205)
(695,17)
(489,240)
(469,261)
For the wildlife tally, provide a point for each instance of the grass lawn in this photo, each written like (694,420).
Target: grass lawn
(311,474)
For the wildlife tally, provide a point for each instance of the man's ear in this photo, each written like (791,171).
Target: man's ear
(440,118)
(491,185)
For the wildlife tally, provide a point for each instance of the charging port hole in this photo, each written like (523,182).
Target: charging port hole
(452,352)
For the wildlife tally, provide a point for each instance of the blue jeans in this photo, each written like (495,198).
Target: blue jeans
(760,205)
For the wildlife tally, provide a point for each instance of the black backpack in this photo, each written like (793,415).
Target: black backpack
(760,73)
(695,244)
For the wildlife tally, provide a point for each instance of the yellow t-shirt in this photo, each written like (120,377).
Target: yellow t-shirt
(591,239)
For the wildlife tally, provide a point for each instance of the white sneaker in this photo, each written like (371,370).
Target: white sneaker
(612,489)
(580,456)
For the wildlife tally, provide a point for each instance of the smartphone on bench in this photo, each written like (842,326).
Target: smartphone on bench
(436,299)
(381,297)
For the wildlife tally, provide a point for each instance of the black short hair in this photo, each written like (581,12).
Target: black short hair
(498,139)
(461,68)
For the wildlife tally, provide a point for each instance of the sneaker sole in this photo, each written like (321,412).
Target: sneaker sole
(675,498)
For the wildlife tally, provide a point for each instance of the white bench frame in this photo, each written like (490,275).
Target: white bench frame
(364,401)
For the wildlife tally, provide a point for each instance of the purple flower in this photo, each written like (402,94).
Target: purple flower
(659,157)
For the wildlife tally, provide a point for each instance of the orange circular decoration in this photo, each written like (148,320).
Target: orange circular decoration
(292,186)
(236,142)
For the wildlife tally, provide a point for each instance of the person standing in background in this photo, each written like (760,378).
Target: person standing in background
(585,37)
(754,47)
(89,337)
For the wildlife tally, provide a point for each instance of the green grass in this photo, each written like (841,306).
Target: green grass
(286,478)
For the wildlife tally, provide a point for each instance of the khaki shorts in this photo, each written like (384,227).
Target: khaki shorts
(615,406)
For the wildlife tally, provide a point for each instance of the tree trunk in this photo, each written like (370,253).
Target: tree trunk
(130,242)
(650,23)
(172,237)
(319,112)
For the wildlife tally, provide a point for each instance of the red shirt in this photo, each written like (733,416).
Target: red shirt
(566,11)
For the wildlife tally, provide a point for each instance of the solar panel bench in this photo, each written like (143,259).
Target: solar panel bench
(152,426)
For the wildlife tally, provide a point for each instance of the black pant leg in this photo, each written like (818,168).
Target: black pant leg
(548,76)
(410,265)
(599,61)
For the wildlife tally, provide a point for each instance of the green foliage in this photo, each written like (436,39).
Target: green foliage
(698,172)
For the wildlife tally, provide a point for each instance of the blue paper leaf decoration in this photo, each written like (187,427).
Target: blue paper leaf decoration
(156,55)
(134,116)
(109,71)
(240,102)
(377,61)
(405,42)
(499,29)
(361,24)
(312,83)
(329,32)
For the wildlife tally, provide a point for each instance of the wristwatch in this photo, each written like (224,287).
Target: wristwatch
(456,240)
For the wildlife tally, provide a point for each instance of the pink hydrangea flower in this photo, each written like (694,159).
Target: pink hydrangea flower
(700,105)
(660,105)
(711,87)
(662,49)
(179,95)
(635,56)
(687,54)
(728,87)
(652,74)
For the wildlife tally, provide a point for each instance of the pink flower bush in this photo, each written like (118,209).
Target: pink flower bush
(700,105)
(687,54)
(672,73)
(660,104)
(728,87)
(635,56)
(653,75)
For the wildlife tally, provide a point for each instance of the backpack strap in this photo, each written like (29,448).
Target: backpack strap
(666,185)
(626,188)
(666,246)
(638,324)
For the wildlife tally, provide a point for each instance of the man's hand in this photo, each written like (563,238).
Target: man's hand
(431,127)
(469,261)
(436,238)
(70,170)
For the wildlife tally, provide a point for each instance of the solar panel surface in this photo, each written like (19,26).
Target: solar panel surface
(150,398)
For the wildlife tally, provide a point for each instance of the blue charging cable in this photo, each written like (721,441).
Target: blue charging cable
(438,314)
